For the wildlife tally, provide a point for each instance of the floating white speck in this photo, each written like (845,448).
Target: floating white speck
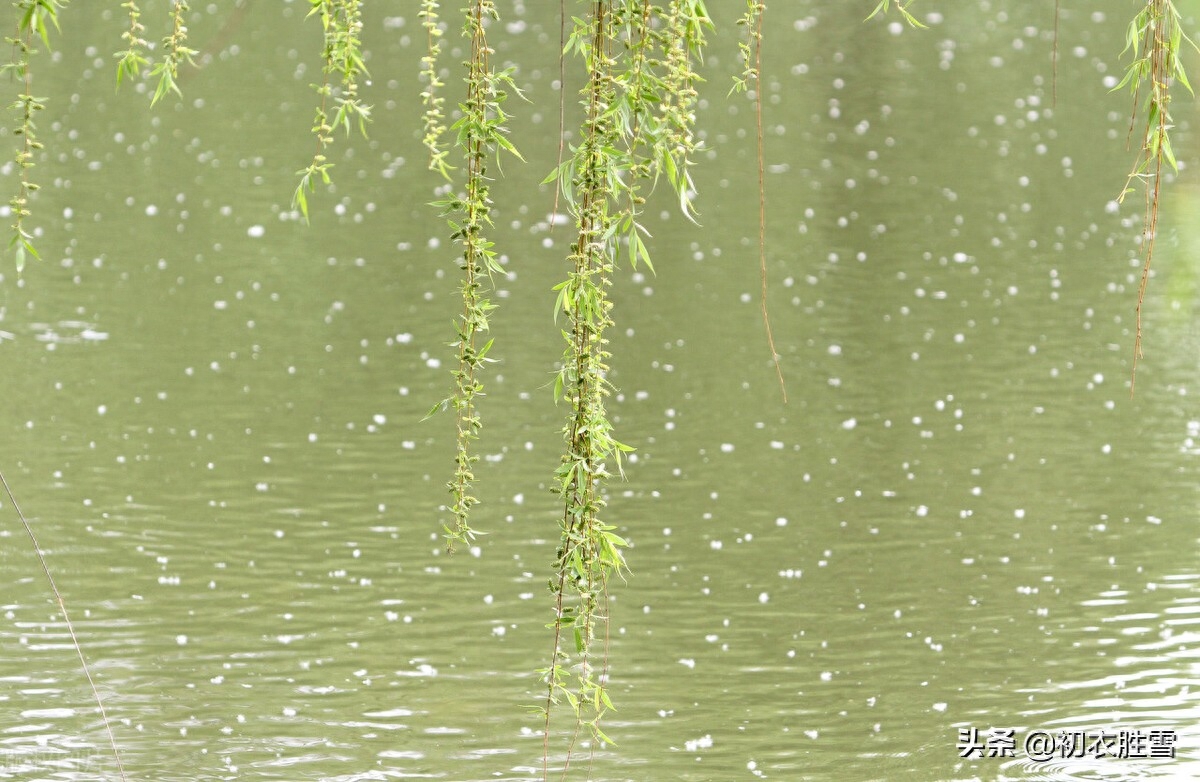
(704,742)
(812,734)
(255,231)
(726,447)
(181,639)
(688,661)
(940,706)
(849,423)
(424,669)
(763,597)
(781,522)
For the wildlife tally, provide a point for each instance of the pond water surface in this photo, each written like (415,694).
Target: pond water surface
(959,520)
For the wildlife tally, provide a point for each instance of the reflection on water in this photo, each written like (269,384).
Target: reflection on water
(1137,692)
(959,520)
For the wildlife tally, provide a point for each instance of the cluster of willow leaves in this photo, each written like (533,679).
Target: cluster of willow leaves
(638,64)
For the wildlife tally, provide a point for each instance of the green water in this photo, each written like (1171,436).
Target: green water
(958,520)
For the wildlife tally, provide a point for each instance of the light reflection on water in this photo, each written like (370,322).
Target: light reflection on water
(1142,678)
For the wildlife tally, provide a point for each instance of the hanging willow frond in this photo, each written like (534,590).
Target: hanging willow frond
(1155,39)
(34,18)
(482,135)
(340,106)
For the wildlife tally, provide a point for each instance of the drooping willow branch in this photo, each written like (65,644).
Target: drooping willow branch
(481,135)
(175,53)
(751,51)
(34,18)
(132,60)
(638,104)
(676,141)
(431,98)
(588,549)
(1155,38)
(342,58)
(901,6)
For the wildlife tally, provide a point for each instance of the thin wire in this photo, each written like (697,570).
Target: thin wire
(37,549)
(562,107)
(762,196)
(1054,59)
